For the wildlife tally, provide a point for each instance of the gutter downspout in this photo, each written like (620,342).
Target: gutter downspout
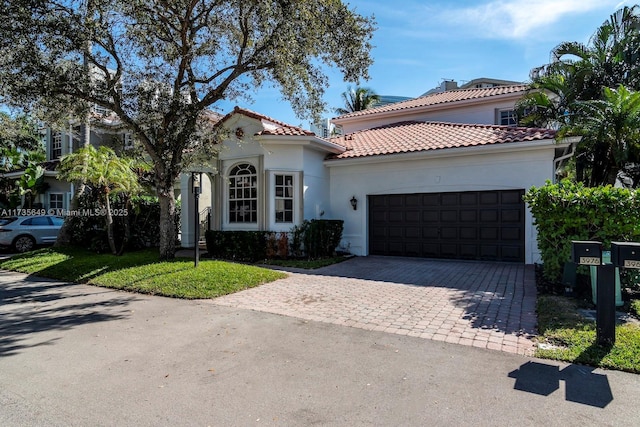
(556,162)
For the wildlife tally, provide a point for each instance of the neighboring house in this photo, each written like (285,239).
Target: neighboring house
(437,176)
(105,130)
(482,82)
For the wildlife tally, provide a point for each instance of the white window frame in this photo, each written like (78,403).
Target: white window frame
(511,117)
(60,201)
(231,184)
(295,195)
(283,192)
(56,145)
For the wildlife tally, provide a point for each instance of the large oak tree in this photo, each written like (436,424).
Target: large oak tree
(160,64)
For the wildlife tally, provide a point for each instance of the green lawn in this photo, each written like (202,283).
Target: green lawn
(142,272)
(560,325)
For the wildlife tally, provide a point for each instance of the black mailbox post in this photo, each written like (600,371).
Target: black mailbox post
(625,254)
(590,253)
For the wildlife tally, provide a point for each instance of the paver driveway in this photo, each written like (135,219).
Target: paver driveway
(480,304)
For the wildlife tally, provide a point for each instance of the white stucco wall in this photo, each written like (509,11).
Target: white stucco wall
(316,186)
(271,155)
(475,113)
(469,169)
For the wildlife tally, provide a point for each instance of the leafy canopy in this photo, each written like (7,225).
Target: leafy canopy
(159,65)
(358,99)
(586,85)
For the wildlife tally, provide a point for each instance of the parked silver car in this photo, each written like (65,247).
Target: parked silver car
(23,233)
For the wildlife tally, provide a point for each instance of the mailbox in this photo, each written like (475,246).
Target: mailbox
(586,253)
(625,254)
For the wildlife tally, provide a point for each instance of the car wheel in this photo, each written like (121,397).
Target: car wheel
(24,244)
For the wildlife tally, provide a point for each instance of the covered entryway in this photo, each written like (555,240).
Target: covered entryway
(481,225)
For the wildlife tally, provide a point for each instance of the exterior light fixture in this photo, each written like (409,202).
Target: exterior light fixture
(354,203)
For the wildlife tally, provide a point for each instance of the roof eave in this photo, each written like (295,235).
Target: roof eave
(311,140)
(422,108)
(519,146)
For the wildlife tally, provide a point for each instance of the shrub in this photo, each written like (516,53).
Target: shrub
(322,236)
(569,211)
(144,224)
(312,239)
(237,245)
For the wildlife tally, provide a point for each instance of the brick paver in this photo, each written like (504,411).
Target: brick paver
(480,304)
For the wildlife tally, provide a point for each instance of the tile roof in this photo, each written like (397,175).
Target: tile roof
(440,98)
(414,136)
(272,126)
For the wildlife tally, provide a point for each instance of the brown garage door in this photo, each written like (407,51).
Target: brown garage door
(484,225)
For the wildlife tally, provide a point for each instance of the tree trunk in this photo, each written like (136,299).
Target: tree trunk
(109,221)
(126,224)
(612,176)
(167,221)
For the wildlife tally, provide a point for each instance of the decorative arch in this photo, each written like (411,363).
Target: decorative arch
(243,194)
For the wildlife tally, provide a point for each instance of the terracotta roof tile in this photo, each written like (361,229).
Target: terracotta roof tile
(277,127)
(414,136)
(440,98)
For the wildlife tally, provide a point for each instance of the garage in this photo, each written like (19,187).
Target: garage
(475,225)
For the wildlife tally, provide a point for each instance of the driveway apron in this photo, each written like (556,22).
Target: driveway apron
(481,304)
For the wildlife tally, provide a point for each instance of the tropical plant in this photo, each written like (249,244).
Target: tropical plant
(31,183)
(358,99)
(160,65)
(105,173)
(21,147)
(610,129)
(579,73)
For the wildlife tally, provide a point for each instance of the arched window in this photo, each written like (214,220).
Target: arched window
(243,194)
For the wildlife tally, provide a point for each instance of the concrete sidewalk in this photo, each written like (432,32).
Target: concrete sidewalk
(82,355)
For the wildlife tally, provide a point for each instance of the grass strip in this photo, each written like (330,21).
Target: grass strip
(142,272)
(573,338)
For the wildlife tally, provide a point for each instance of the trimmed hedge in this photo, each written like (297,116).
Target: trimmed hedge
(570,211)
(312,239)
(236,245)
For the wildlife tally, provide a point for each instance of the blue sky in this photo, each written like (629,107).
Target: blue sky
(420,43)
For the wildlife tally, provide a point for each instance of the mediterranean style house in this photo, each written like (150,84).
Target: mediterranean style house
(441,175)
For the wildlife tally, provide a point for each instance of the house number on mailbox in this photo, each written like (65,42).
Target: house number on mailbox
(628,263)
(589,260)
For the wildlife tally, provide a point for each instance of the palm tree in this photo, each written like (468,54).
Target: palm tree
(579,73)
(358,99)
(611,135)
(106,173)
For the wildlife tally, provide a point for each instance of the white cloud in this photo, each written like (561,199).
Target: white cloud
(520,18)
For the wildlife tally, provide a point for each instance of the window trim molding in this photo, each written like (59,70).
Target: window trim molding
(62,199)
(257,163)
(298,201)
(498,116)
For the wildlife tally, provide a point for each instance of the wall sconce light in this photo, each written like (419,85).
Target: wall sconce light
(354,203)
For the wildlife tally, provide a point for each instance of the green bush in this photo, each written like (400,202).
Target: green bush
(322,236)
(569,211)
(144,224)
(237,245)
(312,239)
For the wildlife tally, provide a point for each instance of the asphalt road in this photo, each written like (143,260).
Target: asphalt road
(81,355)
